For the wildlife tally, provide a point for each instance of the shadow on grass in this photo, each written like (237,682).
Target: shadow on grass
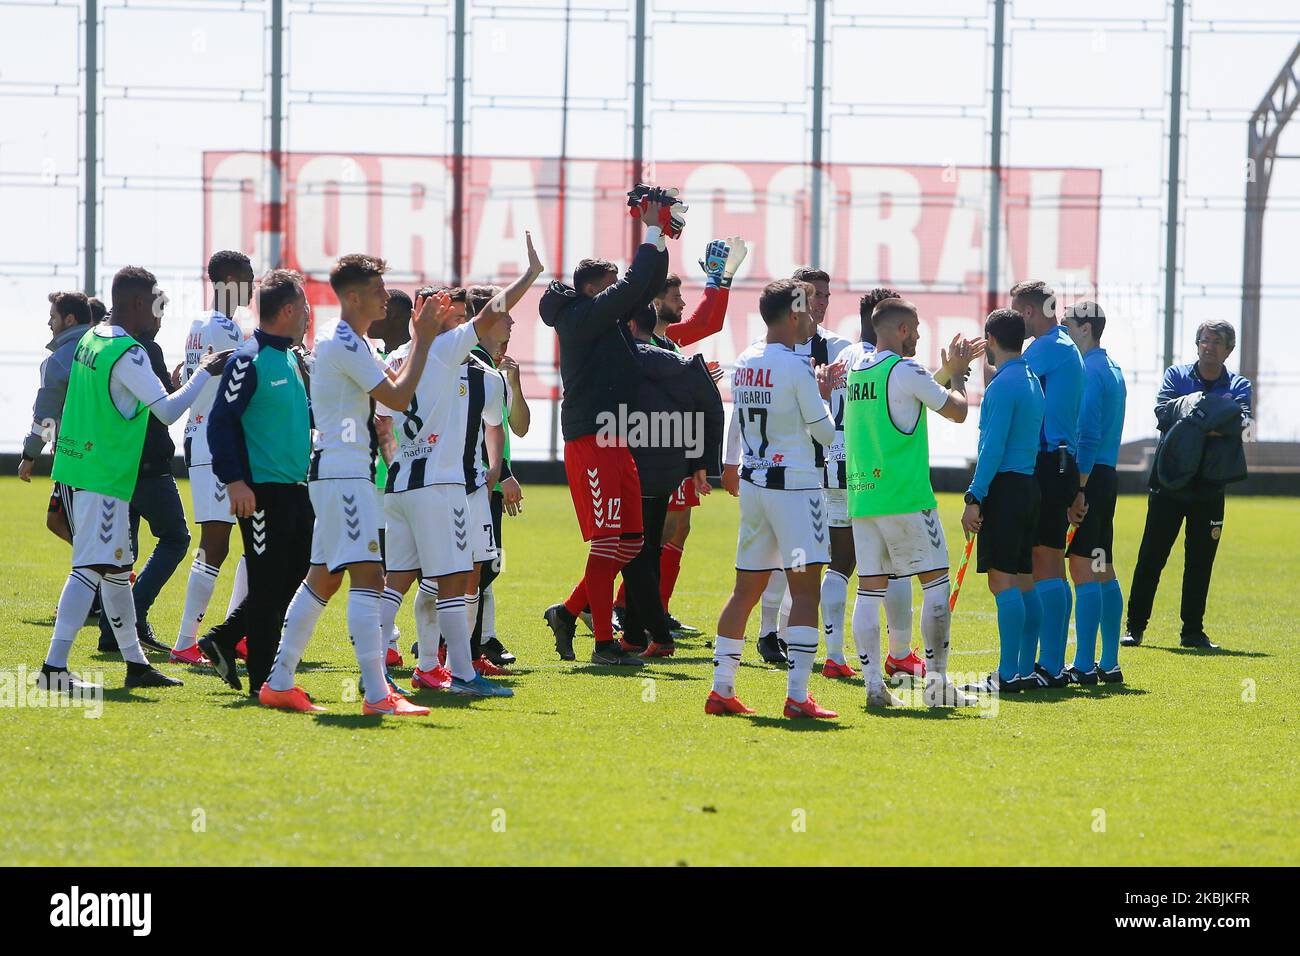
(918,713)
(1055,695)
(39,622)
(128,695)
(1204,651)
(796,724)
(355,721)
(601,670)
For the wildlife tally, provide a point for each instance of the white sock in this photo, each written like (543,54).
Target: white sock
(392,603)
(299,623)
(726,658)
(866,635)
(835,594)
(367,641)
(427,631)
(198,594)
(783,617)
(898,615)
(489,614)
(115,594)
(74,604)
(936,623)
(770,605)
(240,590)
(455,632)
(801,646)
(471,611)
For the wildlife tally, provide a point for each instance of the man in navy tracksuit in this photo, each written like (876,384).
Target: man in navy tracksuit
(1200,505)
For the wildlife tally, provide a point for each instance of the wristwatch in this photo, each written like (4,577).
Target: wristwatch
(970,499)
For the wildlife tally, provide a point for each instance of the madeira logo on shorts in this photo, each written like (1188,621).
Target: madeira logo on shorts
(1216,530)
(374,547)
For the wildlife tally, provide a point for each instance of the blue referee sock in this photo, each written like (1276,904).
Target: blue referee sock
(1112,609)
(1029,637)
(1051,652)
(1087,618)
(1011,628)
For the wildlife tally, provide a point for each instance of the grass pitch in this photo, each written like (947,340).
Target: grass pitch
(1193,761)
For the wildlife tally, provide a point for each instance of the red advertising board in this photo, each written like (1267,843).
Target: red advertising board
(919,229)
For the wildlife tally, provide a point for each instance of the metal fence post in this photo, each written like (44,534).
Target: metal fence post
(1171,225)
(91,199)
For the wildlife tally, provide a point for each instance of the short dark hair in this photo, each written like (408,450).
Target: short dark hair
(226,264)
(1007,328)
(73,304)
(810,274)
(589,270)
(887,310)
(778,298)
(132,279)
(671,281)
(867,304)
(1038,293)
(645,319)
(1088,313)
(355,269)
(278,288)
(97,309)
(478,296)
(400,297)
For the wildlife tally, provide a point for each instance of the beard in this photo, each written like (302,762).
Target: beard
(666,315)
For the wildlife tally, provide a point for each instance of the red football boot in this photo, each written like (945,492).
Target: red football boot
(911,664)
(488,669)
(717,704)
(437,679)
(241,649)
(393,658)
(809,708)
(838,671)
(191,655)
(659,650)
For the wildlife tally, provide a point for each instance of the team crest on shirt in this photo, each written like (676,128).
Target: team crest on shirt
(118,554)
(463,390)
(374,547)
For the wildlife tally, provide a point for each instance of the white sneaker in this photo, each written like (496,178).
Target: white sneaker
(941,692)
(881,697)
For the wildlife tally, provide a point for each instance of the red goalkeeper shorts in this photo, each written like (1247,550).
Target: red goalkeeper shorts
(685,496)
(605,487)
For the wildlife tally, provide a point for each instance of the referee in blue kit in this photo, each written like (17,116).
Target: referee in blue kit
(1098,601)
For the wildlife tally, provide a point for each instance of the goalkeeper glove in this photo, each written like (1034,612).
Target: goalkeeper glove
(736,252)
(714,262)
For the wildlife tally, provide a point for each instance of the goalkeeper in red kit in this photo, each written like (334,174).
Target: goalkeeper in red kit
(722,258)
(600,374)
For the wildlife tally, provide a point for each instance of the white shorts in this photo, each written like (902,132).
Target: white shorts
(211,503)
(900,545)
(429,530)
(347,525)
(101,530)
(837,508)
(781,529)
(480,510)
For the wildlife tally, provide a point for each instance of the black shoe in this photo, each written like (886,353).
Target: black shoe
(562,625)
(221,652)
(144,675)
(60,680)
(1131,638)
(1199,641)
(1086,678)
(496,653)
(1115,676)
(107,645)
(995,684)
(610,654)
(1046,678)
(772,649)
(678,628)
(144,632)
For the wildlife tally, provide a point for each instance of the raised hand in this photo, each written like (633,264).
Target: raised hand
(737,251)
(535,266)
(429,316)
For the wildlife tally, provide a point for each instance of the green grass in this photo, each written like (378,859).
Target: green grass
(589,767)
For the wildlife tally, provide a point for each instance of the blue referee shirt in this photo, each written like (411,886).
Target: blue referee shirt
(1101,414)
(1011,417)
(1054,358)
